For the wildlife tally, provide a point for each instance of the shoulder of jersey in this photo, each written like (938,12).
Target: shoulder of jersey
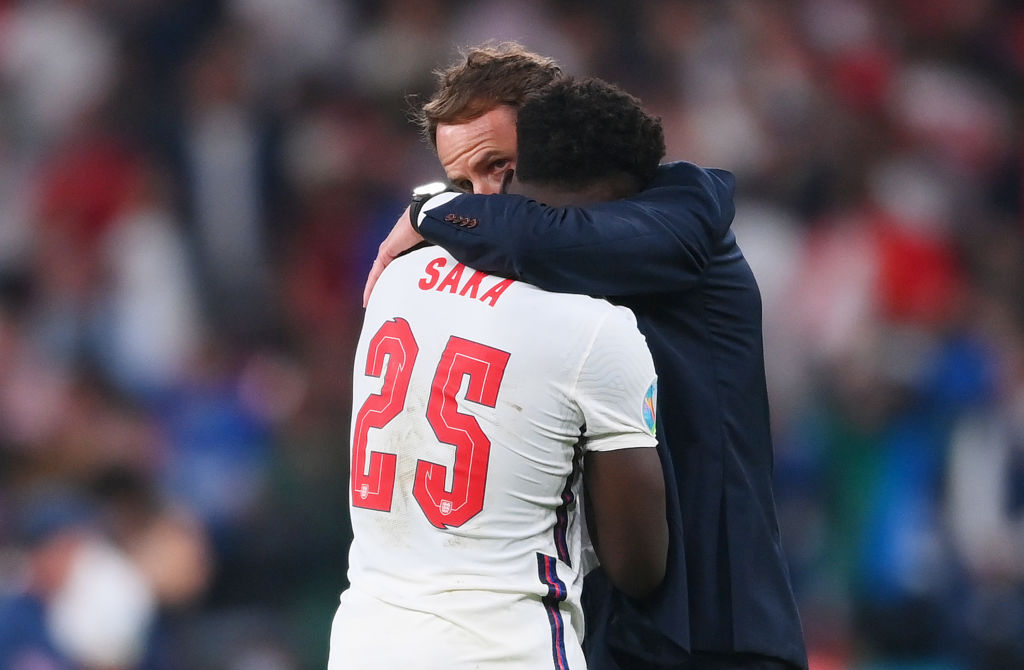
(412,264)
(418,257)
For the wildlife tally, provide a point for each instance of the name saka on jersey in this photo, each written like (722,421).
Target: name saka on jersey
(473,286)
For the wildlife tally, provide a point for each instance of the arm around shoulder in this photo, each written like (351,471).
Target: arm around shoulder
(660,239)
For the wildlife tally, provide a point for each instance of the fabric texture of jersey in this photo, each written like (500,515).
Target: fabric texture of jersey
(475,562)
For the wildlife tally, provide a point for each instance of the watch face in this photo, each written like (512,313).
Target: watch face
(431,189)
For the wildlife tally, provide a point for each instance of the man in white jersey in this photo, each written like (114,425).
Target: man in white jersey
(478,400)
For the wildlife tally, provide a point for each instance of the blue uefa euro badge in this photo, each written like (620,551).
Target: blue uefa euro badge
(650,403)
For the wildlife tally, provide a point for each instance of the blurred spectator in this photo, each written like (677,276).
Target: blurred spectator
(227,169)
(83,604)
(150,318)
(394,52)
(58,59)
(290,41)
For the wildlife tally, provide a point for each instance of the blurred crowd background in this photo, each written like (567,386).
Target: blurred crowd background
(192,191)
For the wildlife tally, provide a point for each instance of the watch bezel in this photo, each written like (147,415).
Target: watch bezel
(429,190)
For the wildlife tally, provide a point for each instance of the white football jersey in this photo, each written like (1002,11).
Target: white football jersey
(474,398)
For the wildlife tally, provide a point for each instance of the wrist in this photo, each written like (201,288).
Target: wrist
(420,195)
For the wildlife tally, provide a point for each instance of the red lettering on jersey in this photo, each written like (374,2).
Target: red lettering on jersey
(433,271)
(473,284)
(495,292)
(451,282)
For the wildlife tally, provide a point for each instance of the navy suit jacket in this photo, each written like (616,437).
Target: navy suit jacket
(669,255)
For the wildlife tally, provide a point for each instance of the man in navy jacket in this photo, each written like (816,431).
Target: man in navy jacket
(669,255)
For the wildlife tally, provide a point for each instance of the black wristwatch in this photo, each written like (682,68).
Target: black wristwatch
(421,194)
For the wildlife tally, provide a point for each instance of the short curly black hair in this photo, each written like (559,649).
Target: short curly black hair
(574,132)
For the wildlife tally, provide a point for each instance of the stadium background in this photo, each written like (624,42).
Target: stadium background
(191,193)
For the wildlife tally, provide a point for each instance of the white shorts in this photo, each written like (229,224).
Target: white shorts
(370,634)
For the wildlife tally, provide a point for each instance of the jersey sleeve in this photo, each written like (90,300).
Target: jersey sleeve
(616,387)
(659,240)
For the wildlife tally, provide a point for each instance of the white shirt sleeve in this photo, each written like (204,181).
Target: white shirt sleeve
(435,201)
(617,387)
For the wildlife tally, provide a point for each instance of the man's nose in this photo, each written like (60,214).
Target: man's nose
(487,185)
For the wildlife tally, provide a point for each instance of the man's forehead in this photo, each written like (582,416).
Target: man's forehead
(492,133)
(494,122)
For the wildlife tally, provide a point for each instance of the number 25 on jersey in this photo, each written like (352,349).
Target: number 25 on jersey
(392,354)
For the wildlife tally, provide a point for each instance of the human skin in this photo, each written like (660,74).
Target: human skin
(475,155)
